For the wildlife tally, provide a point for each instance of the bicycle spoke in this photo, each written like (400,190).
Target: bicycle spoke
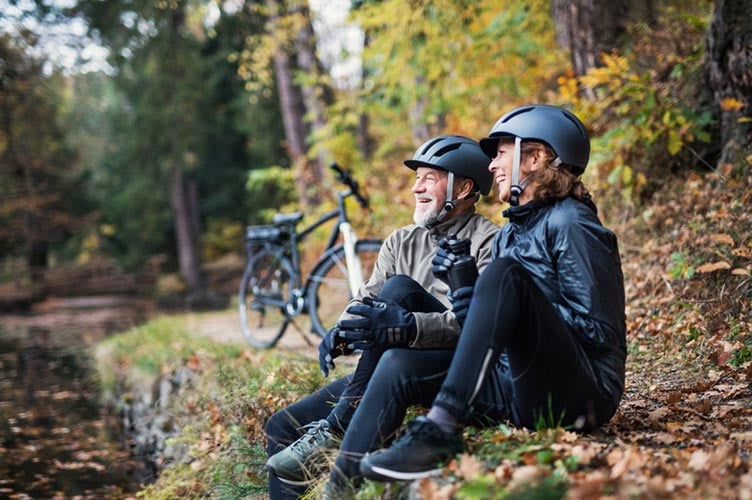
(264,297)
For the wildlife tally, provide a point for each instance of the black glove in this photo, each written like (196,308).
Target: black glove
(460,300)
(383,323)
(453,263)
(330,347)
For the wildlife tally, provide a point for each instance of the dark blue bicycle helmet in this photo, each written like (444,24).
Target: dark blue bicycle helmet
(456,154)
(555,126)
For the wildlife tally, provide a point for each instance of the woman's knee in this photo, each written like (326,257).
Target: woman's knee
(499,272)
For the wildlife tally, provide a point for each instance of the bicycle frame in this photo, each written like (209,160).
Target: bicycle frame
(355,273)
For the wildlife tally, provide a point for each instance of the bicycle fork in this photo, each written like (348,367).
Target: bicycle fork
(354,269)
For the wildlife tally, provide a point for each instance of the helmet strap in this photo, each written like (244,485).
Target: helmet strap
(516,188)
(448,202)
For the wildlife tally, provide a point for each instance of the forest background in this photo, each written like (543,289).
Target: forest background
(208,116)
(234,109)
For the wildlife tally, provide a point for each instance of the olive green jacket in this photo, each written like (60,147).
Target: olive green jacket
(409,250)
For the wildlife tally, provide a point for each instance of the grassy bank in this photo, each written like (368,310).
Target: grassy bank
(219,409)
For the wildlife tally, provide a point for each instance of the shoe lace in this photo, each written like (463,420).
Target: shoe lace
(314,436)
(417,431)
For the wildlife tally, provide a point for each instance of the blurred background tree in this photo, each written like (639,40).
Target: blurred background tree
(41,198)
(211,115)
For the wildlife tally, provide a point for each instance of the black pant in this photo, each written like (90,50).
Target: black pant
(338,401)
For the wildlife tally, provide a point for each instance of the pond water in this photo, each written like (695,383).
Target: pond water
(55,438)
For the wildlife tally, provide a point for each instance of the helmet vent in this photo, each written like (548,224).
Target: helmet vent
(447,149)
(577,125)
(427,147)
(516,112)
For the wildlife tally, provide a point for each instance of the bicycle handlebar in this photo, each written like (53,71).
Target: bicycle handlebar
(344,177)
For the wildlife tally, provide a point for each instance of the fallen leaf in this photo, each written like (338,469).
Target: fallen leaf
(722,238)
(715,266)
(585,454)
(527,474)
(731,104)
(742,436)
(699,460)
(665,438)
(470,467)
(658,414)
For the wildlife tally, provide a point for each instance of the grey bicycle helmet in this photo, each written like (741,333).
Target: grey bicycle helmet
(555,126)
(457,155)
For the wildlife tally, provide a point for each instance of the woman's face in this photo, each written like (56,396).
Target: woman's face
(501,168)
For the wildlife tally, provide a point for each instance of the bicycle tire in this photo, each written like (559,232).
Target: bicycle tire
(329,281)
(268,281)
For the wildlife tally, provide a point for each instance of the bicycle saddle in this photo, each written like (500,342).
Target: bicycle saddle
(291,218)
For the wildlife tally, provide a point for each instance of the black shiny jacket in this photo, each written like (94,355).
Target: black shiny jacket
(575,262)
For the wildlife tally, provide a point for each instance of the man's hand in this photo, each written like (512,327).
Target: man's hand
(382,323)
(453,263)
(460,300)
(331,346)
(443,261)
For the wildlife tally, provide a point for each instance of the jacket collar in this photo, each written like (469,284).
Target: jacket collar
(523,212)
(452,225)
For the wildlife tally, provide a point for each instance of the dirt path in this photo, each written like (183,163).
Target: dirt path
(224,326)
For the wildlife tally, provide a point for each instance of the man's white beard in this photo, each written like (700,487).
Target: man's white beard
(429,216)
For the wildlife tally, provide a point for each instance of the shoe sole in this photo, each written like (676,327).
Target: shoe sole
(384,474)
(295,482)
(290,481)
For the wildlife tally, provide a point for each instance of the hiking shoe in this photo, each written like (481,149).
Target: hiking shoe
(418,453)
(303,460)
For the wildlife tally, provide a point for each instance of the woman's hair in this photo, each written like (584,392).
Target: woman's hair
(553,181)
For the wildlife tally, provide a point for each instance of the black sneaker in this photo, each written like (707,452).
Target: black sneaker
(420,452)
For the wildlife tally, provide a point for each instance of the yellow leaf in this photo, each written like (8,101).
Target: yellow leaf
(731,104)
(674,142)
(715,266)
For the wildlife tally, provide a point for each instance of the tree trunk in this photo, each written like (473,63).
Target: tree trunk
(364,139)
(290,97)
(296,102)
(183,202)
(183,190)
(36,247)
(316,97)
(729,73)
(588,27)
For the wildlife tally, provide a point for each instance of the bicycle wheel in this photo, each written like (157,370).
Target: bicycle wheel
(264,296)
(328,289)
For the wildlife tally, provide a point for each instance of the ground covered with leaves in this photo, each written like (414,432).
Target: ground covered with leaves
(684,428)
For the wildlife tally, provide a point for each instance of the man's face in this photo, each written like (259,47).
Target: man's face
(430,194)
